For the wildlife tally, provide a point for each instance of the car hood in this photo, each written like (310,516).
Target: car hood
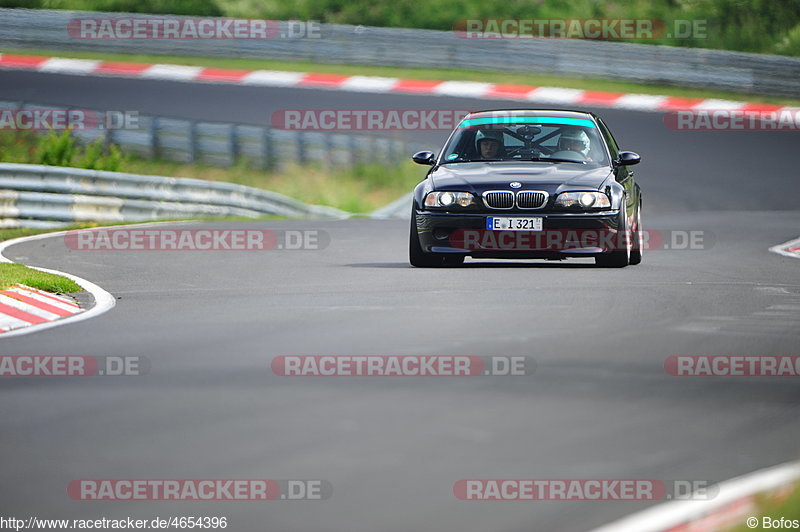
(552,177)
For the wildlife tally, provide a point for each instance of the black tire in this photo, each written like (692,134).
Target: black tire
(420,259)
(453,259)
(618,258)
(638,250)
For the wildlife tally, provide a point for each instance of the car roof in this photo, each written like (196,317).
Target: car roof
(559,113)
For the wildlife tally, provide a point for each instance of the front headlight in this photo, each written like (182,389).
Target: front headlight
(449,199)
(583,200)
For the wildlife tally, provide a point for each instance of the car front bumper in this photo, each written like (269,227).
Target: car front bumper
(562,235)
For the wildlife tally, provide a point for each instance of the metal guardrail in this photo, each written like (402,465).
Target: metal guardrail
(399,208)
(222,144)
(48,196)
(694,67)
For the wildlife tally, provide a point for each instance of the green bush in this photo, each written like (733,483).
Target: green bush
(202,8)
(62,150)
(27,4)
(790,44)
(56,150)
(98,158)
(747,25)
(18,146)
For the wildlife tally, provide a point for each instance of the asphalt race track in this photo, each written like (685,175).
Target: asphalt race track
(600,404)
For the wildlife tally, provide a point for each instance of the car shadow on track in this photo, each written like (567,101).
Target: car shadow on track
(481,264)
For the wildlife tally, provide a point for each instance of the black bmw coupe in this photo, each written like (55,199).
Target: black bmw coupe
(538,184)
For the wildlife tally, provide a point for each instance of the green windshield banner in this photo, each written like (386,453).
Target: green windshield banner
(527,120)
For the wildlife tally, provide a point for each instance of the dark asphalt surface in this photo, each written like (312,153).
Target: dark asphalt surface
(599,406)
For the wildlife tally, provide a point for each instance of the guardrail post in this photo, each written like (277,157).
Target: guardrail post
(154,137)
(267,150)
(355,150)
(372,148)
(192,141)
(108,131)
(234,143)
(108,137)
(329,151)
(302,156)
(392,151)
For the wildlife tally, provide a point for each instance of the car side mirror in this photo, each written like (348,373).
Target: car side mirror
(424,157)
(627,158)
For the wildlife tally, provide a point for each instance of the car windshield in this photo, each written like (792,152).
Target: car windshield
(556,140)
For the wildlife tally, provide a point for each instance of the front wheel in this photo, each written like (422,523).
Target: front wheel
(420,259)
(618,258)
(638,237)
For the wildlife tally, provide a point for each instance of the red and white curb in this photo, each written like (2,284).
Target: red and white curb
(788,249)
(734,504)
(23,306)
(19,314)
(373,84)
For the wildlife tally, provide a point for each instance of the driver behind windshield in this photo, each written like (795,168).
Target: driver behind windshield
(489,144)
(574,140)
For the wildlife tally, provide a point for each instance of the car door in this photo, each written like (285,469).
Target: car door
(622,174)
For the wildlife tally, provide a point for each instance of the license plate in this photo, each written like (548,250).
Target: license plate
(499,223)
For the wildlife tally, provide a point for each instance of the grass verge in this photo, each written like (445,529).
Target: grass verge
(11,274)
(534,79)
